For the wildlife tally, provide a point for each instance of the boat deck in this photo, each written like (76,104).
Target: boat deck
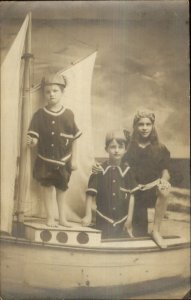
(37,232)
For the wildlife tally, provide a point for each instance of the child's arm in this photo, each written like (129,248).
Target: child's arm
(74,156)
(31,141)
(128,223)
(165,175)
(88,215)
(164,185)
(33,131)
(96,169)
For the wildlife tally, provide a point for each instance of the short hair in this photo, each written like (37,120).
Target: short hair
(121,137)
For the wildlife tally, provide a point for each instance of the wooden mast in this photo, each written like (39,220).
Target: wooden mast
(24,164)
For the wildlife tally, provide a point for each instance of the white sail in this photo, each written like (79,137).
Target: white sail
(10,92)
(77,97)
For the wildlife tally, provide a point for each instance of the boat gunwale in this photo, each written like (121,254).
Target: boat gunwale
(69,229)
(78,248)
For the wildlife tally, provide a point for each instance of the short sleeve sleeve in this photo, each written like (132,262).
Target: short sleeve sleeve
(130,181)
(33,130)
(75,130)
(92,185)
(165,158)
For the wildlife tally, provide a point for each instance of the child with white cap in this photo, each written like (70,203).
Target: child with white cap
(54,131)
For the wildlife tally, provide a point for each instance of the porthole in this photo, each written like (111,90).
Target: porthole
(62,237)
(45,235)
(82,238)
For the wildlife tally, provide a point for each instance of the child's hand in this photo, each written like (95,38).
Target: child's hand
(128,228)
(86,221)
(31,141)
(96,168)
(164,185)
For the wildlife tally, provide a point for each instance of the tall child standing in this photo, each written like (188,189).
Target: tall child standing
(113,215)
(54,131)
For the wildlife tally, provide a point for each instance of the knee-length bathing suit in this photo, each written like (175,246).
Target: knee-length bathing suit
(147,164)
(112,203)
(55,132)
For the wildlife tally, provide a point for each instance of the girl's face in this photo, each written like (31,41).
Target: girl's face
(116,151)
(53,94)
(144,127)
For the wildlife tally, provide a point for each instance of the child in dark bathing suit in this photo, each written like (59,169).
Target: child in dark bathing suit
(114,207)
(149,160)
(54,131)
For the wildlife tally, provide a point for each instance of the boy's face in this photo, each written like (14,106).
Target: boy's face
(116,151)
(144,127)
(53,94)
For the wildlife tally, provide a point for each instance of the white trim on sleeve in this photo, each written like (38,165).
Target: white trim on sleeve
(33,132)
(77,135)
(91,190)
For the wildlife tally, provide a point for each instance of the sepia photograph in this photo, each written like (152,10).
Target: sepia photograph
(95,150)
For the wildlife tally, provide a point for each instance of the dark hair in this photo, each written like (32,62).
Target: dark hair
(118,140)
(153,137)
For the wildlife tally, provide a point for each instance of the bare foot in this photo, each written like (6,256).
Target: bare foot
(128,228)
(130,233)
(74,218)
(158,239)
(65,223)
(86,221)
(51,222)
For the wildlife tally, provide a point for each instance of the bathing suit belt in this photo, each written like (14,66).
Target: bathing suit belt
(140,187)
(110,220)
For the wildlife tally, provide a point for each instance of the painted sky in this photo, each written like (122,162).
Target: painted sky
(142,61)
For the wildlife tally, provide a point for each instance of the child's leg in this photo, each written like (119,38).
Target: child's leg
(47,194)
(72,216)
(160,209)
(128,223)
(140,217)
(62,208)
(86,221)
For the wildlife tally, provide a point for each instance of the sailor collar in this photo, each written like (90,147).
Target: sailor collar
(123,168)
(54,113)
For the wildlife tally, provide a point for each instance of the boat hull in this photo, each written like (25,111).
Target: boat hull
(33,267)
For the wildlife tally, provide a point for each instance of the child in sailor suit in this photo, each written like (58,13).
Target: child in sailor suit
(113,217)
(54,130)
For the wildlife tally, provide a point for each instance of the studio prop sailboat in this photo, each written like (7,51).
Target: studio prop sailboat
(35,259)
